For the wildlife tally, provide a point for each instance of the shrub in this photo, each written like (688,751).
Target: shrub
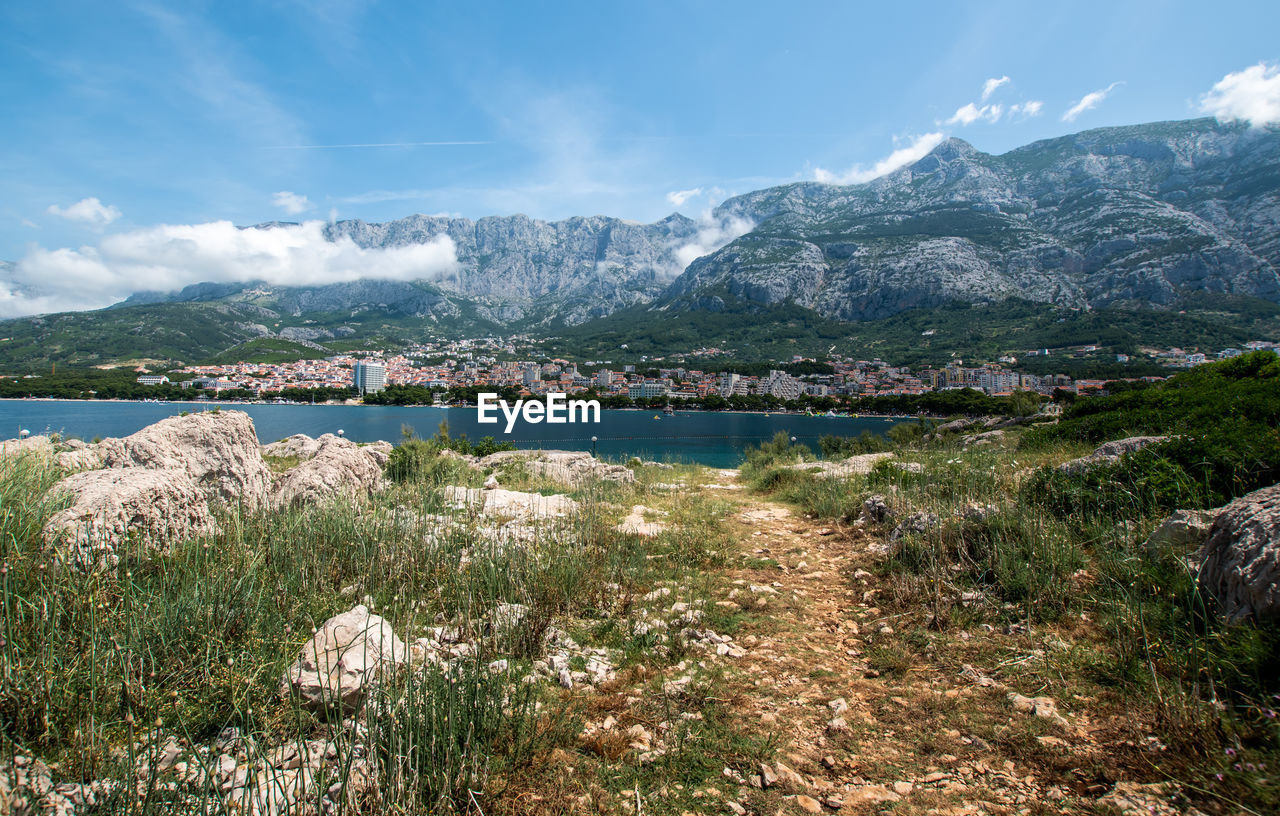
(842,447)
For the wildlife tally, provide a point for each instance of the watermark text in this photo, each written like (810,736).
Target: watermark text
(557,409)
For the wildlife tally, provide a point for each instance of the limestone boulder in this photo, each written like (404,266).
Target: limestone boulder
(108,507)
(379,452)
(79,458)
(41,446)
(984,439)
(1182,529)
(1240,560)
(512,503)
(858,465)
(635,523)
(339,469)
(299,446)
(218,450)
(566,467)
(343,660)
(1109,453)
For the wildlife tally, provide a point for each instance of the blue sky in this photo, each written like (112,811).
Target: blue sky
(121,117)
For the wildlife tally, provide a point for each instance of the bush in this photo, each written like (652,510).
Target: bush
(1141,483)
(842,447)
(777,451)
(412,460)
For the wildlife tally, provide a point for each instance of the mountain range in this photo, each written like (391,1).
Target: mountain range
(1138,217)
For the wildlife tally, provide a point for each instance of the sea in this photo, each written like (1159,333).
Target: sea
(714,438)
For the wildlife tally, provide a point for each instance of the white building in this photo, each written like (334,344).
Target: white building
(780,384)
(646,390)
(369,376)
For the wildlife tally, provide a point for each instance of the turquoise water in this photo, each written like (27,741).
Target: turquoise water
(703,437)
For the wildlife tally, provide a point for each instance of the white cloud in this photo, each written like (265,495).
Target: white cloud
(88,211)
(1026,109)
(989,87)
(292,203)
(167,257)
(970,113)
(713,233)
(679,197)
(918,149)
(1088,102)
(1252,95)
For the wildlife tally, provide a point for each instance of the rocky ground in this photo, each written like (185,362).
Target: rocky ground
(852,732)
(745,658)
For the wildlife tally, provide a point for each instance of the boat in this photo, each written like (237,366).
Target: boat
(669,411)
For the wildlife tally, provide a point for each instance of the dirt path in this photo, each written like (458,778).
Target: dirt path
(872,711)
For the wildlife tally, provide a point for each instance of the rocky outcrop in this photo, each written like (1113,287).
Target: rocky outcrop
(337,667)
(513,503)
(298,446)
(566,467)
(33,445)
(635,523)
(379,452)
(218,450)
(109,507)
(1240,561)
(1182,529)
(1110,453)
(339,469)
(859,465)
(984,439)
(304,448)
(74,455)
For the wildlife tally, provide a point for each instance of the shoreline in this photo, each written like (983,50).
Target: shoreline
(237,403)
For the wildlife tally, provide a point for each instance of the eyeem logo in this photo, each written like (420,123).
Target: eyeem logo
(557,410)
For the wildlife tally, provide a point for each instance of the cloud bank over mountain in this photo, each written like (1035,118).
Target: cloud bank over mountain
(167,257)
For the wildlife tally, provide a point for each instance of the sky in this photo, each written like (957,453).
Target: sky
(137,134)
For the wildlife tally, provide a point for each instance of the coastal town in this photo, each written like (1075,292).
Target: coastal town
(486,364)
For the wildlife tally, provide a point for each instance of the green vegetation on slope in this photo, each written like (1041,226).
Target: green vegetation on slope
(933,336)
(1223,424)
(267,350)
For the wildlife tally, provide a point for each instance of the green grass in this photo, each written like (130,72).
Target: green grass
(194,640)
(1057,554)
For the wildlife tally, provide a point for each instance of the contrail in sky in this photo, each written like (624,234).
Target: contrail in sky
(383,144)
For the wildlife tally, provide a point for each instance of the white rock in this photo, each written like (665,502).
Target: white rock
(339,469)
(337,667)
(218,450)
(1240,563)
(107,507)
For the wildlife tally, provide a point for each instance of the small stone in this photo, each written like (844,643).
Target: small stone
(808,804)
(902,788)
(871,794)
(768,777)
